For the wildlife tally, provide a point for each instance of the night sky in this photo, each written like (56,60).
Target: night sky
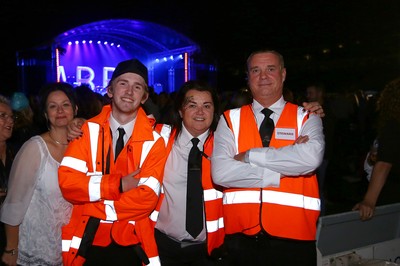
(368,33)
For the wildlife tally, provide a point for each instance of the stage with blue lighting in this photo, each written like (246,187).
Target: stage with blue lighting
(88,54)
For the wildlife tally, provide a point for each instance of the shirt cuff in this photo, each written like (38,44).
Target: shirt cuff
(246,157)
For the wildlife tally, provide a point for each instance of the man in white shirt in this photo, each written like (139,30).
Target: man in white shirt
(271,201)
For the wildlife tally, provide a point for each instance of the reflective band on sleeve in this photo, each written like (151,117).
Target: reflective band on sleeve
(290,199)
(154,216)
(154,261)
(75,164)
(241,197)
(147,145)
(213,226)
(111,214)
(94,188)
(212,194)
(65,245)
(152,183)
(76,242)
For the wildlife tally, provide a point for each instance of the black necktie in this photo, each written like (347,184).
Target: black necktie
(120,142)
(194,193)
(266,127)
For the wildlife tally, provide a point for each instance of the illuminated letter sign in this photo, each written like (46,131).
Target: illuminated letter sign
(88,79)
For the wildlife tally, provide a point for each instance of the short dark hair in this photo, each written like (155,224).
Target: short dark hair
(266,50)
(180,99)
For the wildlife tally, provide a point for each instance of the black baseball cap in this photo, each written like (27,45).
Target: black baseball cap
(131,66)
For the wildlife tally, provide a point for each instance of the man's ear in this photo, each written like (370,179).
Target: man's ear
(145,97)
(110,91)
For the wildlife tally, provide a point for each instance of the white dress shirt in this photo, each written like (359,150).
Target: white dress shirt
(172,215)
(114,125)
(266,165)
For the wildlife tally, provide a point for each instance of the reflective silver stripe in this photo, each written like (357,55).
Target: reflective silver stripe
(75,164)
(291,199)
(241,197)
(76,242)
(212,194)
(111,214)
(276,197)
(147,145)
(214,226)
(154,215)
(166,133)
(65,245)
(154,261)
(94,135)
(300,116)
(94,187)
(152,183)
(235,120)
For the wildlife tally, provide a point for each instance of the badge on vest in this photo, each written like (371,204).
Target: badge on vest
(285,133)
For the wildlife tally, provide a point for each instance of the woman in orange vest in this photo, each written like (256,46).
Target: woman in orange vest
(196,109)
(264,224)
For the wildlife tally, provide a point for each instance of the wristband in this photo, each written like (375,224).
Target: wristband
(11,251)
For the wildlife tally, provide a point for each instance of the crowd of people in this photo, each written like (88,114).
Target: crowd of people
(107,180)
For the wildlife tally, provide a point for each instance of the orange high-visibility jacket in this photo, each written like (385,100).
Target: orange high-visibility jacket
(211,193)
(84,181)
(290,211)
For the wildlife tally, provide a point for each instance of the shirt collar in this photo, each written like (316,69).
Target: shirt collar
(185,137)
(128,127)
(276,107)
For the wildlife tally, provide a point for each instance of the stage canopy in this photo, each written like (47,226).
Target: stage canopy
(89,53)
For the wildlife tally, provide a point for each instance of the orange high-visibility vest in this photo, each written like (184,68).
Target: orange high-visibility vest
(211,193)
(84,181)
(290,211)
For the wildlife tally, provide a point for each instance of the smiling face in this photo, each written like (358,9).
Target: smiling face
(59,109)
(127,92)
(197,111)
(6,122)
(266,75)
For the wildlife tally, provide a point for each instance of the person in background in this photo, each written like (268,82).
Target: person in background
(384,185)
(370,159)
(316,92)
(271,198)
(34,210)
(196,114)
(24,126)
(112,175)
(7,154)
(89,102)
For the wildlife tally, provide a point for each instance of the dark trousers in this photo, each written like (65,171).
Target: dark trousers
(112,255)
(263,249)
(173,253)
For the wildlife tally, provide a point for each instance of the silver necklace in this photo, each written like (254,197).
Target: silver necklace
(56,141)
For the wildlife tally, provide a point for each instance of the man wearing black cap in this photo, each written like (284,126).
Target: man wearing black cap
(112,174)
